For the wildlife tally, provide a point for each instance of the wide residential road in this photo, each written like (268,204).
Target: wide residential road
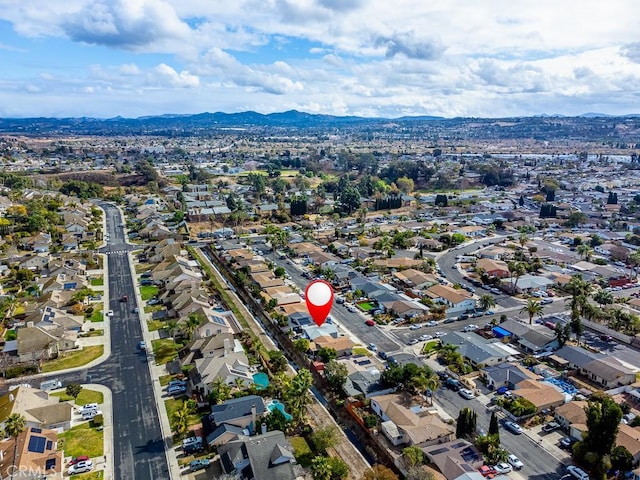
(538,462)
(139,447)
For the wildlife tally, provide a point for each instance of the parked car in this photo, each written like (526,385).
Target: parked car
(192,444)
(550,427)
(415,326)
(515,462)
(176,390)
(431,323)
(503,468)
(136,310)
(450,320)
(196,465)
(470,328)
(546,301)
(382,355)
(81,467)
(513,427)
(81,458)
(577,472)
(179,383)
(453,384)
(142,345)
(91,414)
(439,334)
(110,313)
(566,443)
(466,393)
(487,471)
(463,317)
(372,347)
(370,322)
(352,309)
(89,406)
(424,338)
(413,341)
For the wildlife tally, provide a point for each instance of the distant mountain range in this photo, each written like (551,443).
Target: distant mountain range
(175,124)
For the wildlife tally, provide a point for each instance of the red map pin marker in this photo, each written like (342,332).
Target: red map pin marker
(319,297)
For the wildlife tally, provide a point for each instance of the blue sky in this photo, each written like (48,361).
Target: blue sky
(489,58)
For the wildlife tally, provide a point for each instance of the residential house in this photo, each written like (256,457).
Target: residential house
(216,322)
(38,408)
(457,301)
(455,458)
(33,454)
(572,414)
(267,456)
(526,283)
(238,414)
(505,375)
(476,349)
(541,394)
(405,308)
(532,339)
(412,278)
(343,345)
(35,344)
(629,438)
(609,372)
(407,421)
(493,268)
(37,262)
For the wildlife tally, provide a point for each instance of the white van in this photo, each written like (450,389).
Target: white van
(90,414)
(50,385)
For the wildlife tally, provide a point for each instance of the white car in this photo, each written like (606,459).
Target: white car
(439,334)
(110,313)
(466,393)
(470,328)
(415,326)
(424,338)
(432,323)
(503,468)
(81,467)
(577,472)
(515,462)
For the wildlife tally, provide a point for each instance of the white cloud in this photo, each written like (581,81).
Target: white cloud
(164,74)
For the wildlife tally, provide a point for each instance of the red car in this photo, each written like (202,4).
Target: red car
(487,471)
(81,458)
(371,323)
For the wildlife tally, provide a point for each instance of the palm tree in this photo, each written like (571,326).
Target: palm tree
(487,301)
(297,396)
(194,320)
(14,426)
(516,270)
(634,261)
(580,291)
(533,307)
(181,419)
(585,251)
(523,239)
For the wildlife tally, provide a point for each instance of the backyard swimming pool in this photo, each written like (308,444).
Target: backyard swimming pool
(261,380)
(273,404)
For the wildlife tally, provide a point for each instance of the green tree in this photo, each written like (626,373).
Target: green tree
(405,184)
(320,468)
(487,301)
(336,374)
(297,395)
(466,423)
(595,449)
(602,297)
(532,308)
(325,437)
(73,390)
(413,456)
(327,353)
(180,419)
(194,320)
(301,344)
(563,333)
(275,420)
(277,361)
(13,427)
(494,426)
(219,391)
(621,459)
(379,472)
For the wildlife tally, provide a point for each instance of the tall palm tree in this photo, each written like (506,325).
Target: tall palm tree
(634,260)
(14,426)
(533,308)
(523,239)
(181,419)
(585,251)
(194,320)
(297,397)
(487,301)
(580,291)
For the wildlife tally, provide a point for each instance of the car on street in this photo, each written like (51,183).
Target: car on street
(370,322)
(413,341)
(372,347)
(513,427)
(462,317)
(550,427)
(196,465)
(81,467)
(439,334)
(503,468)
(142,345)
(565,443)
(577,472)
(450,320)
(515,462)
(136,310)
(415,326)
(453,384)
(470,328)
(432,323)
(352,309)
(466,393)
(606,338)
(546,301)
(424,338)
(110,313)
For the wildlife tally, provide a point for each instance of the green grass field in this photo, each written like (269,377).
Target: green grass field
(97,282)
(82,440)
(164,350)
(76,358)
(85,396)
(97,315)
(366,306)
(147,292)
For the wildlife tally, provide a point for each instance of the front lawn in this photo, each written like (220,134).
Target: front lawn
(174,404)
(301,450)
(360,351)
(76,358)
(97,282)
(82,440)
(147,292)
(366,306)
(154,325)
(97,315)
(153,308)
(86,396)
(164,350)
(142,268)
(430,346)
(95,475)
(91,333)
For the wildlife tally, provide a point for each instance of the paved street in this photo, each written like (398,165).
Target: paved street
(539,462)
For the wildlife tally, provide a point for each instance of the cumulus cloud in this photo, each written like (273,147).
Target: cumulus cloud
(128,24)
(163,74)
(406,44)
(341,5)
(631,51)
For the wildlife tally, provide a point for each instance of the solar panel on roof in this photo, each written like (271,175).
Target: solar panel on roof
(36,444)
(36,430)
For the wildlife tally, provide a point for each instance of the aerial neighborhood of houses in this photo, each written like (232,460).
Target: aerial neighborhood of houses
(485,325)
